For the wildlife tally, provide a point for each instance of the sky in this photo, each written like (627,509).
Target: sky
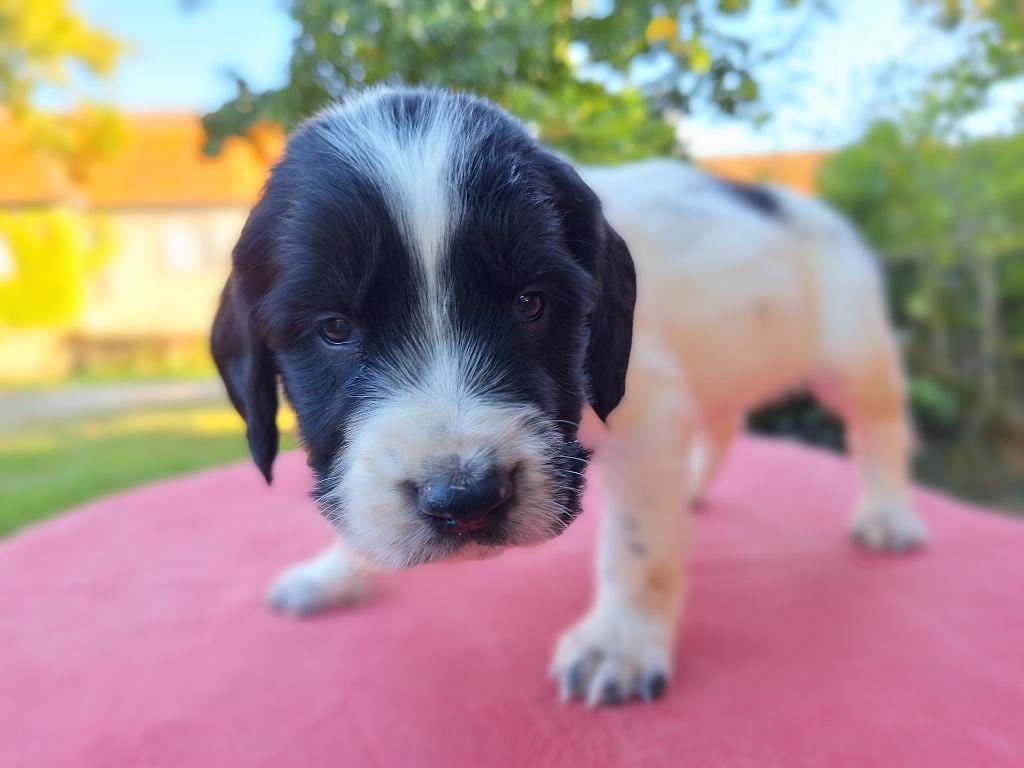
(822,95)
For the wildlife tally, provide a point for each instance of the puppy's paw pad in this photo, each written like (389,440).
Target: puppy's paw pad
(317,585)
(607,660)
(888,529)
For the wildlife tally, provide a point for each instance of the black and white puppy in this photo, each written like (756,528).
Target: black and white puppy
(443,300)
(439,297)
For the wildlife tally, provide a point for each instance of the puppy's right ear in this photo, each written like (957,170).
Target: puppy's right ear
(239,344)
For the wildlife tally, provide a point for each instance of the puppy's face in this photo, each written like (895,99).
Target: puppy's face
(439,297)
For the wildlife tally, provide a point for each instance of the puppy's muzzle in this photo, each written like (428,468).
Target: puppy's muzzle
(460,501)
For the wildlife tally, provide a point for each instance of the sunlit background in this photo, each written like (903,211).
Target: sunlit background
(134,137)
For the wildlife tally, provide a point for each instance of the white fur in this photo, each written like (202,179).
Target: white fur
(733,307)
(420,168)
(626,639)
(398,438)
(332,578)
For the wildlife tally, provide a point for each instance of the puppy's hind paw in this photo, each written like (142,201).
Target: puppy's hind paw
(885,528)
(612,657)
(326,581)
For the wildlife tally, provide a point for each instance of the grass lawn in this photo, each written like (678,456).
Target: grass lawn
(46,468)
(49,467)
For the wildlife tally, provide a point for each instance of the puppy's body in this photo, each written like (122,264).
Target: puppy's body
(753,297)
(727,284)
(742,294)
(440,297)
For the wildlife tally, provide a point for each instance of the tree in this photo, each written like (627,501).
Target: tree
(46,252)
(42,44)
(46,255)
(946,219)
(595,85)
(942,204)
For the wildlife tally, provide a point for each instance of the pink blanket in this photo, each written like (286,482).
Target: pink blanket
(133,633)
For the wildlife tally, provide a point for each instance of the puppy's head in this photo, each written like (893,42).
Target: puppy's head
(439,297)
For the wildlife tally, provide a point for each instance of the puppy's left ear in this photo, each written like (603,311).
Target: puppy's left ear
(604,254)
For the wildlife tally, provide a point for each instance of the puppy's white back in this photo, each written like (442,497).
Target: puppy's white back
(752,301)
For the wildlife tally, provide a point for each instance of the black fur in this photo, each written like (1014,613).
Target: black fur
(323,241)
(247,367)
(754,196)
(604,254)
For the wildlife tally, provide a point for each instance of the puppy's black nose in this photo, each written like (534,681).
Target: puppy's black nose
(464,504)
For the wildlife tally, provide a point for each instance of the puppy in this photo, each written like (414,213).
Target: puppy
(444,302)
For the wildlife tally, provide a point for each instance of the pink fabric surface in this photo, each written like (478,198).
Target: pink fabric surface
(133,633)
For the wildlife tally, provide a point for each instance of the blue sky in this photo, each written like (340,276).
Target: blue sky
(822,94)
(179,58)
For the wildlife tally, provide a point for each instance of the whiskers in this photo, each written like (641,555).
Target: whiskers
(581,459)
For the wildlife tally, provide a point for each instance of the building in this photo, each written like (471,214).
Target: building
(174,215)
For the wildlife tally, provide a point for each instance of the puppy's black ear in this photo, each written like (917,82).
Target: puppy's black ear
(239,344)
(611,324)
(604,254)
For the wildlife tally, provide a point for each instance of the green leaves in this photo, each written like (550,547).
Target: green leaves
(48,253)
(945,216)
(42,45)
(41,42)
(595,87)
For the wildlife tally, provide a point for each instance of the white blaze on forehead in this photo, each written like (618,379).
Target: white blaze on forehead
(437,396)
(418,163)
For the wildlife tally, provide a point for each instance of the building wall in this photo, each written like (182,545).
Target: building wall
(150,304)
(166,273)
(175,215)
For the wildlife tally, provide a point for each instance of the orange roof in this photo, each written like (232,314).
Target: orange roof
(27,177)
(159,162)
(798,170)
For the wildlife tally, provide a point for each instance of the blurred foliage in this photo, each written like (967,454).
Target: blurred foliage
(46,253)
(990,36)
(799,416)
(41,41)
(942,205)
(45,45)
(596,85)
(945,217)
(942,208)
(45,256)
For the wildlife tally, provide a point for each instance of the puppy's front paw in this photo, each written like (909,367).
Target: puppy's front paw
(888,527)
(326,581)
(612,656)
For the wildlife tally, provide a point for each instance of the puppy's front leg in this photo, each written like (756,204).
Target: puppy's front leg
(330,579)
(623,647)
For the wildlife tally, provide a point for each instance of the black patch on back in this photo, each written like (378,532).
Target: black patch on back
(754,196)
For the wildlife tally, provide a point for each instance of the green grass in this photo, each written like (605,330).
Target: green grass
(47,468)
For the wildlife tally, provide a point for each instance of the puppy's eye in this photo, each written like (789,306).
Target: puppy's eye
(336,331)
(529,306)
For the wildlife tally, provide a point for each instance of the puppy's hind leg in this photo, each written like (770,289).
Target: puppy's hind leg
(330,579)
(880,437)
(711,446)
(867,390)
